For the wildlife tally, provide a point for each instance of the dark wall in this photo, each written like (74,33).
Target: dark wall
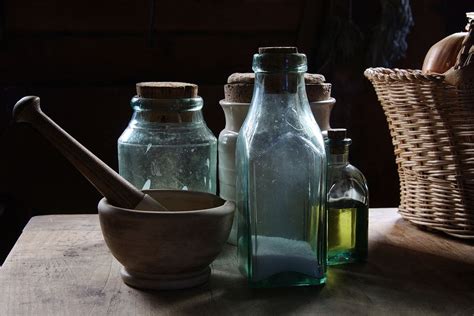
(83,59)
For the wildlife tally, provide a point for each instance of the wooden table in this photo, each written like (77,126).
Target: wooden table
(61,265)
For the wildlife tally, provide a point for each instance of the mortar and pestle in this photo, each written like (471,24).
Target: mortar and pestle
(164,239)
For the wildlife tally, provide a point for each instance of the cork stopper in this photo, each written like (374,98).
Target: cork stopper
(313,78)
(278,50)
(239,87)
(239,77)
(337,140)
(316,88)
(337,134)
(166,90)
(249,77)
(318,92)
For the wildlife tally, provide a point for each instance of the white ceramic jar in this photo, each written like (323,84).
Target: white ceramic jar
(235,114)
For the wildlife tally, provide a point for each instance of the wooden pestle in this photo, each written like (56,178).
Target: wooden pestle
(109,183)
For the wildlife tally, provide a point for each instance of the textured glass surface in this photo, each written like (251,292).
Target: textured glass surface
(347,211)
(281,165)
(168,146)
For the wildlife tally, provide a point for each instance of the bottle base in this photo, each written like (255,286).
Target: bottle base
(287,279)
(343,257)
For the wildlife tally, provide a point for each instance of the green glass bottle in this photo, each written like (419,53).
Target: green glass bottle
(281,176)
(348,200)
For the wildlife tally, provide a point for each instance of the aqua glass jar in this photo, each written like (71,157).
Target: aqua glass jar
(281,174)
(167,144)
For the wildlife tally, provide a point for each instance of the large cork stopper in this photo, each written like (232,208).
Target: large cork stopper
(239,87)
(316,88)
(246,77)
(313,78)
(166,90)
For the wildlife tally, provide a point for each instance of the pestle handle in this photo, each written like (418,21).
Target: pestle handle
(108,182)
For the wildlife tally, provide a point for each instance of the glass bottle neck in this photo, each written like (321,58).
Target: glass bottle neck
(280,105)
(279,82)
(166,111)
(279,89)
(339,159)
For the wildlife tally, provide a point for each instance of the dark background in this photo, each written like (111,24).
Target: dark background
(83,59)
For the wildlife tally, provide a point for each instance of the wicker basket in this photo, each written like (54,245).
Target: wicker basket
(432,129)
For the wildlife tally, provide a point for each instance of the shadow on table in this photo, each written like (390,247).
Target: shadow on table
(229,294)
(420,271)
(397,278)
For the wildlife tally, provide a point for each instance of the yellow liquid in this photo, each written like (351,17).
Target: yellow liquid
(341,229)
(347,232)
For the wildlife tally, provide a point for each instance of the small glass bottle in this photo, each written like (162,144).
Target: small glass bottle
(281,174)
(348,203)
(167,144)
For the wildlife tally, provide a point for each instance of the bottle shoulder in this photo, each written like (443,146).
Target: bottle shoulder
(355,173)
(347,182)
(227,135)
(255,136)
(280,117)
(167,135)
(346,171)
(291,144)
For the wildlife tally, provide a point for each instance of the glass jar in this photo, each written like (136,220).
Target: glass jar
(281,174)
(167,144)
(348,203)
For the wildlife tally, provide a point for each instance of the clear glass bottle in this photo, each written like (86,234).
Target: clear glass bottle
(167,144)
(348,203)
(281,174)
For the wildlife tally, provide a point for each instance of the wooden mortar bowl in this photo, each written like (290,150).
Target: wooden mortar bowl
(167,249)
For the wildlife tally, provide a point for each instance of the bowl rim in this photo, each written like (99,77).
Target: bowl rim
(226,208)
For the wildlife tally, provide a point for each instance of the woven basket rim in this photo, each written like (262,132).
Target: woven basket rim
(388,74)
(430,123)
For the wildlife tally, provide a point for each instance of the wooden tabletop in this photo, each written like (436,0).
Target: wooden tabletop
(61,266)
